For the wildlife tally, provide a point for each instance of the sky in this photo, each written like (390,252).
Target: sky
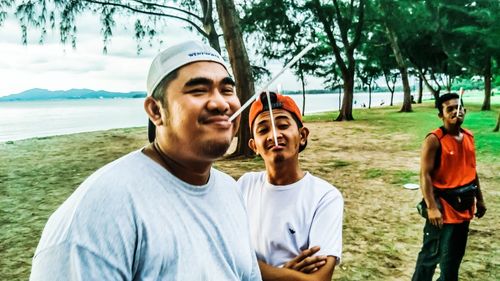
(55,66)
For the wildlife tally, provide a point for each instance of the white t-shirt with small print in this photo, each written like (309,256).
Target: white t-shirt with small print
(287,219)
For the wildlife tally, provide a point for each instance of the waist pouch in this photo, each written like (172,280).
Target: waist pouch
(460,198)
(422,207)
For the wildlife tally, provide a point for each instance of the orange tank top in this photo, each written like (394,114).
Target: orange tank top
(456,167)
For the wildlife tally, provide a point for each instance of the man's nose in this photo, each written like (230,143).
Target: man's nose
(270,135)
(217,102)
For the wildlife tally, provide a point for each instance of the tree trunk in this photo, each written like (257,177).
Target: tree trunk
(407,93)
(393,39)
(487,86)
(345,113)
(213,38)
(230,24)
(420,89)
(448,83)
(345,24)
(434,92)
(369,96)
(498,124)
(303,93)
(340,95)
(391,89)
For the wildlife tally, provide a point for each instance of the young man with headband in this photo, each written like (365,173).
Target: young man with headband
(161,212)
(295,217)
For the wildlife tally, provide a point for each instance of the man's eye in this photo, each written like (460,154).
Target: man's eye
(261,131)
(197,90)
(228,90)
(283,126)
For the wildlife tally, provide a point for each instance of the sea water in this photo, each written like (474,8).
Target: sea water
(28,119)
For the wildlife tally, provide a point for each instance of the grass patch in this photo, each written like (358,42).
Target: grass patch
(398,177)
(402,177)
(337,163)
(373,173)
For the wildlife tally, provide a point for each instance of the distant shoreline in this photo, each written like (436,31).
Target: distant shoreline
(44,94)
(12,98)
(38,94)
(65,99)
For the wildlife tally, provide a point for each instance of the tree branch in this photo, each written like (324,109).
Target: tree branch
(434,79)
(341,23)
(331,37)
(426,82)
(199,29)
(169,7)
(206,7)
(351,8)
(387,79)
(359,25)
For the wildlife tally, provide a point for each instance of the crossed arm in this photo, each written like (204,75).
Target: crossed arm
(303,267)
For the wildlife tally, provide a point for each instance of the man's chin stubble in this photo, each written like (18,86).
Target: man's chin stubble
(215,149)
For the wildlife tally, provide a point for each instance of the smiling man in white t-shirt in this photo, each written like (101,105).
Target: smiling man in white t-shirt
(295,218)
(161,212)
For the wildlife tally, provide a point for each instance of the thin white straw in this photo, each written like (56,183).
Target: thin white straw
(256,95)
(461,93)
(272,117)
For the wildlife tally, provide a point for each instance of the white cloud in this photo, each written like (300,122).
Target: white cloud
(55,66)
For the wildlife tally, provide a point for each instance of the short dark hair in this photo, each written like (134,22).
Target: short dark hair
(159,94)
(444,98)
(159,91)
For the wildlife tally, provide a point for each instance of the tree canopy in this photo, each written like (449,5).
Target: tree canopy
(440,42)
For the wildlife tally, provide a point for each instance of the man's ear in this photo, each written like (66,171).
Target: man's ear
(440,115)
(251,144)
(304,133)
(153,110)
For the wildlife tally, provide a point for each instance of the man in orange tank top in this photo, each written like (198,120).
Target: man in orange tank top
(450,187)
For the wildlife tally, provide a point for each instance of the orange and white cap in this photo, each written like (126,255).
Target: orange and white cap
(277,101)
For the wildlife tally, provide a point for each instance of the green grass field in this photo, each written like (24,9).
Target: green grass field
(37,175)
(424,119)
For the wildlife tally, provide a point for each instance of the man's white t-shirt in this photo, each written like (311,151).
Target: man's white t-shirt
(134,220)
(287,219)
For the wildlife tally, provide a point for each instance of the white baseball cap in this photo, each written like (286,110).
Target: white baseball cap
(179,55)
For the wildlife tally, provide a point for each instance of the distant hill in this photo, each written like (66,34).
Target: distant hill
(43,94)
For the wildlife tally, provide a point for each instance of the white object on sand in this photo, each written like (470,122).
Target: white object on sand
(411,186)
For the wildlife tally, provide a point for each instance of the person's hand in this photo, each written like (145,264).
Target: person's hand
(305,262)
(480,209)
(435,217)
